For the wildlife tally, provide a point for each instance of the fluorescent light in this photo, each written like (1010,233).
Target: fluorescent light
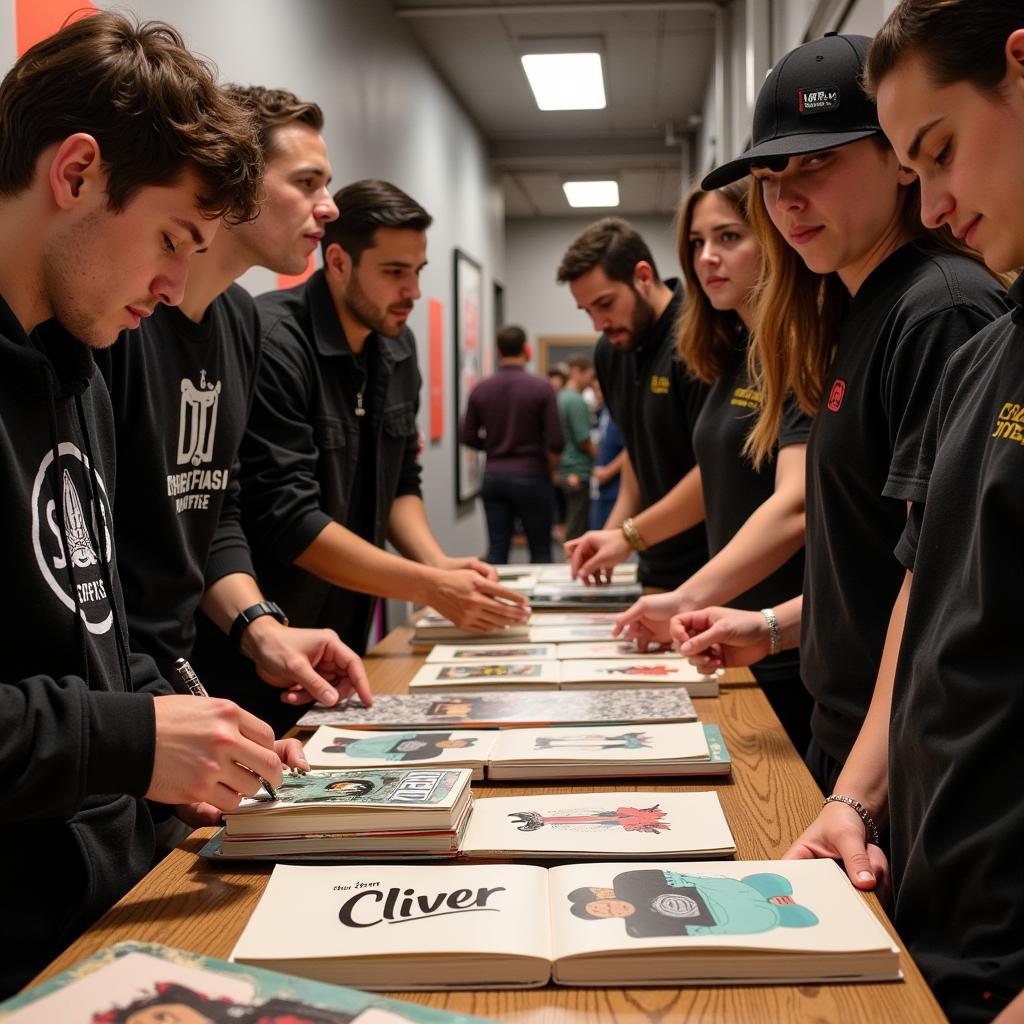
(565,81)
(591,193)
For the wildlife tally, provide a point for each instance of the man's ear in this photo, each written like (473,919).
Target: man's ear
(643,278)
(337,263)
(1015,48)
(76,171)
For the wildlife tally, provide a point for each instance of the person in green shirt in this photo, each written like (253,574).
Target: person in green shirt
(578,455)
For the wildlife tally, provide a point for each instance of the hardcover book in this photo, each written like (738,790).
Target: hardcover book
(499,710)
(144,983)
(574,752)
(597,924)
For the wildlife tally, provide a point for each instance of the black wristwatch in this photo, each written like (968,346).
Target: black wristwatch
(244,619)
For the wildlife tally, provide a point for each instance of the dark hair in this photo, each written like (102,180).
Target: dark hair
(612,244)
(511,341)
(275,108)
(958,40)
(154,109)
(705,337)
(365,206)
(579,362)
(559,370)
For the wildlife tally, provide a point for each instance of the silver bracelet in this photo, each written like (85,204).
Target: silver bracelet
(869,822)
(773,630)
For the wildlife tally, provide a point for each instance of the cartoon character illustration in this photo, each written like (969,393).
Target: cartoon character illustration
(593,741)
(629,819)
(408,746)
(177,1004)
(312,788)
(639,670)
(657,903)
(519,669)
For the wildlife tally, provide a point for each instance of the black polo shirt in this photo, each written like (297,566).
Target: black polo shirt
(956,758)
(913,311)
(733,490)
(655,403)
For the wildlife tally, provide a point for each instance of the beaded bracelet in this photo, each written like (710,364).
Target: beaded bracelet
(869,822)
(773,630)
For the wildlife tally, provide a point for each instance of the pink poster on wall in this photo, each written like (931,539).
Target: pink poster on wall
(435,315)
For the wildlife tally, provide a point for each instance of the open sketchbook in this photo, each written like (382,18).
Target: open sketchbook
(143,983)
(598,924)
(569,752)
(501,710)
(637,825)
(614,673)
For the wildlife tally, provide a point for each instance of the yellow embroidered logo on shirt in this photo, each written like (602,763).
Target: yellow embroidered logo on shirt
(1008,422)
(659,385)
(746,398)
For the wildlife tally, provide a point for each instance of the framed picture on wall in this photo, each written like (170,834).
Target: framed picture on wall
(468,309)
(559,348)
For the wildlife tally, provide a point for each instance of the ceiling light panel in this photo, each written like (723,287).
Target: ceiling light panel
(591,193)
(566,81)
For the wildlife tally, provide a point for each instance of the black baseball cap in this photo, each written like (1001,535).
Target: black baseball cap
(812,99)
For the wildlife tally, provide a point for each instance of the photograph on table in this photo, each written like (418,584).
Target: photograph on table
(491,652)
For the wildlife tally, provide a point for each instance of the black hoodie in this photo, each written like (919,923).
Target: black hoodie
(76,744)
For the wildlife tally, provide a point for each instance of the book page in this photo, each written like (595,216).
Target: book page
(506,675)
(570,634)
(573,618)
(633,824)
(476,653)
(581,651)
(629,671)
(329,747)
(602,744)
(371,911)
(794,905)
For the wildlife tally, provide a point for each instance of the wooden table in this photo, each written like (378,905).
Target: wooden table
(188,903)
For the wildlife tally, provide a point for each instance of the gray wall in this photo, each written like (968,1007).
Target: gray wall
(534,248)
(388,116)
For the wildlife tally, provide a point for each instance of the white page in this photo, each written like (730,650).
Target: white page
(603,649)
(330,747)
(570,634)
(602,743)
(456,654)
(314,911)
(738,915)
(505,675)
(632,671)
(635,824)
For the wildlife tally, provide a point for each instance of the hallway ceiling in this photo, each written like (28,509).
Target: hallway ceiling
(657,59)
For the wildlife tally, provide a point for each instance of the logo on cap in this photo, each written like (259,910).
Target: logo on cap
(816,101)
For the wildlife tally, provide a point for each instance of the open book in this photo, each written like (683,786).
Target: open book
(614,673)
(494,710)
(570,752)
(146,983)
(600,924)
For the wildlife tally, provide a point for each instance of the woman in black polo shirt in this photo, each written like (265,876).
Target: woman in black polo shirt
(947,763)
(754,517)
(858,313)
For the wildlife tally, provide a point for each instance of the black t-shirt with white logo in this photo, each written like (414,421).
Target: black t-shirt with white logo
(733,490)
(181,393)
(655,403)
(956,757)
(909,316)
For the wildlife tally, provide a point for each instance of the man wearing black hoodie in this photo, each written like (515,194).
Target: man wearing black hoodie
(97,224)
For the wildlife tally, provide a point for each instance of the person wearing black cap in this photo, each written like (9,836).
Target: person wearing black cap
(947,762)
(859,311)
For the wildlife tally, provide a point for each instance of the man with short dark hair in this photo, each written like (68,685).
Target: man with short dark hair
(513,417)
(613,278)
(577,461)
(181,386)
(98,222)
(330,467)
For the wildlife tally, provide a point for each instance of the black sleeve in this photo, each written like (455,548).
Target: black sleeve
(229,549)
(279,452)
(61,742)
(910,380)
(795,427)
(692,392)
(409,478)
(906,548)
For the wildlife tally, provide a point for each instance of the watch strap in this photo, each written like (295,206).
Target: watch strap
(245,618)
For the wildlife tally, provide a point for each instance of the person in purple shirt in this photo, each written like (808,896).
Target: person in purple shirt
(513,417)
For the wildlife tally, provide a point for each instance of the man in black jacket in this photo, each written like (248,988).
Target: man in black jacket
(330,466)
(181,386)
(97,228)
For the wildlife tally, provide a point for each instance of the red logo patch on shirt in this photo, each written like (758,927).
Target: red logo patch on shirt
(835,396)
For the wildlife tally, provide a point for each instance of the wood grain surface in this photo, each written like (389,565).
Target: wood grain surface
(188,903)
